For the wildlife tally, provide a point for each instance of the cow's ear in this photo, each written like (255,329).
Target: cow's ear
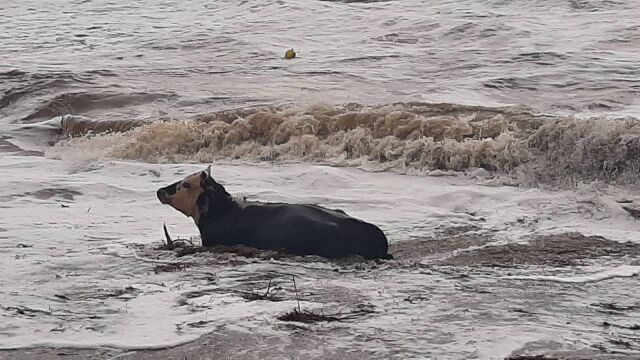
(206,181)
(205,174)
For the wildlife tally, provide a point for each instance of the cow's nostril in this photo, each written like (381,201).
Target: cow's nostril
(162,196)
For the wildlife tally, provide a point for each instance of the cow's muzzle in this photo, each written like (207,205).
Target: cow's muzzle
(162,196)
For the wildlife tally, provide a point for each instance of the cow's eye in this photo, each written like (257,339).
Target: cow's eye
(186,186)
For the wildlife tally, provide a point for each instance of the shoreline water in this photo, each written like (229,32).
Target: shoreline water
(103,254)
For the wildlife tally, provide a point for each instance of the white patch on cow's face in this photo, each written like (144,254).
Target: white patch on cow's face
(183,195)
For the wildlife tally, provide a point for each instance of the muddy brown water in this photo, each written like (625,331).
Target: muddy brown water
(462,270)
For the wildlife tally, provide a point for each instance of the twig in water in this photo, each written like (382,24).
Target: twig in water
(268,288)
(295,289)
(311,317)
(166,234)
(269,295)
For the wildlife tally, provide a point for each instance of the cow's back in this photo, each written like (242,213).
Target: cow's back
(301,229)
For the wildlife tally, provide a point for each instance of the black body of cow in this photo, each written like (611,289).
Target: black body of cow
(292,228)
(298,229)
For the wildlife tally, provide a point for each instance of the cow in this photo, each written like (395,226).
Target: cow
(298,229)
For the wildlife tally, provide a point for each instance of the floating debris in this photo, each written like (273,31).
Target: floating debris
(289,54)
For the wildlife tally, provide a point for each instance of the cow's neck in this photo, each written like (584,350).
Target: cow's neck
(220,204)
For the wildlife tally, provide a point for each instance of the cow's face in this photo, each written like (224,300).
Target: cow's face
(183,195)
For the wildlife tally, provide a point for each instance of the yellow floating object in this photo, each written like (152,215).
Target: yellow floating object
(289,54)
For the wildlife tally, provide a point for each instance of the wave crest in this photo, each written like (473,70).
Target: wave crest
(413,138)
(391,136)
(573,150)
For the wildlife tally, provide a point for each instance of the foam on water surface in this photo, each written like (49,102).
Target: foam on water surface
(84,270)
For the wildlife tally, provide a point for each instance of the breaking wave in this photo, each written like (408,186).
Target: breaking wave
(76,125)
(412,138)
(83,101)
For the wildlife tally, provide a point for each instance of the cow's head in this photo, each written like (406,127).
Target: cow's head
(194,195)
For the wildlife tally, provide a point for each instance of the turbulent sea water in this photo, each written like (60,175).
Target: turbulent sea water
(460,127)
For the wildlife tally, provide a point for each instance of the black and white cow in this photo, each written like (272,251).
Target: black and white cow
(299,229)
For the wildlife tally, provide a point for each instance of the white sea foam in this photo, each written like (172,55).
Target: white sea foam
(607,274)
(406,138)
(88,253)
